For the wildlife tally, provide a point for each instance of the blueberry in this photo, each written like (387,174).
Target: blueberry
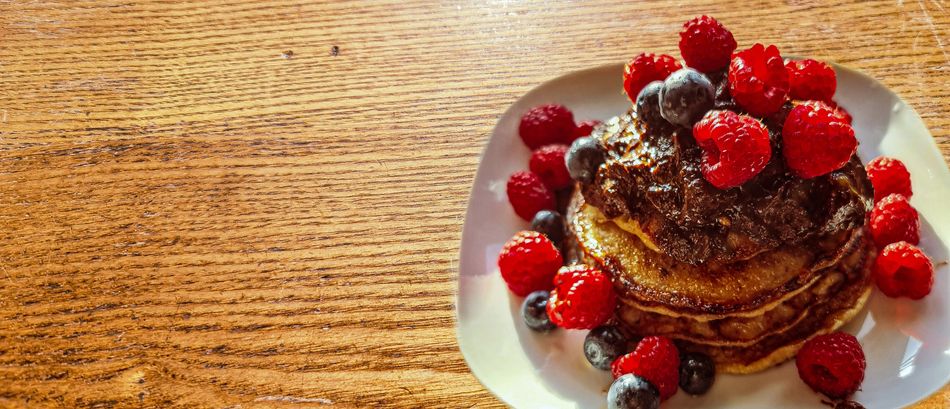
(584,158)
(534,311)
(697,373)
(686,96)
(550,224)
(648,103)
(603,345)
(632,392)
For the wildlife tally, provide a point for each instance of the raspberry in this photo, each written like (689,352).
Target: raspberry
(902,270)
(655,359)
(528,262)
(705,44)
(735,148)
(583,298)
(584,129)
(816,141)
(811,80)
(528,194)
(758,80)
(893,219)
(839,112)
(548,163)
(832,364)
(644,69)
(889,175)
(546,124)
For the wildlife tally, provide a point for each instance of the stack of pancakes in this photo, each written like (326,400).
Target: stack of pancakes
(745,276)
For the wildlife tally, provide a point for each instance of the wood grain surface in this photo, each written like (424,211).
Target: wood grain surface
(259,203)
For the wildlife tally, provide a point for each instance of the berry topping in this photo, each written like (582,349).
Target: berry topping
(534,311)
(549,223)
(816,141)
(705,44)
(603,345)
(528,262)
(528,194)
(893,219)
(758,80)
(548,163)
(583,298)
(889,175)
(546,125)
(811,80)
(585,128)
(902,270)
(632,392)
(584,158)
(657,360)
(735,148)
(697,373)
(648,104)
(686,96)
(644,69)
(832,364)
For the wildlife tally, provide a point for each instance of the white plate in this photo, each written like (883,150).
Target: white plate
(907,343)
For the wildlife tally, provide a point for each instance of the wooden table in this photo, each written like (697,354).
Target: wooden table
(255,204)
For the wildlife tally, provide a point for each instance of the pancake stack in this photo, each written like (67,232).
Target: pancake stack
(744,275)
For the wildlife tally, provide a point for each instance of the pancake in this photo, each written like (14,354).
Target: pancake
(782,346)
(748,329)
(748,315)
(657,282)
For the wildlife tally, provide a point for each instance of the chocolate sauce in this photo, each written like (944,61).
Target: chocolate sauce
(653,177)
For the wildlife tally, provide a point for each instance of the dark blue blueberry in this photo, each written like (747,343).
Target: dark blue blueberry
(584,158)
(648,104)
(632,392)
(550,224)
(697,373)
(603,345)
(534,311)
(685,97)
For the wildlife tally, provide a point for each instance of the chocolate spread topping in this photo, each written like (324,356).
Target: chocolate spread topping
(653,176)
